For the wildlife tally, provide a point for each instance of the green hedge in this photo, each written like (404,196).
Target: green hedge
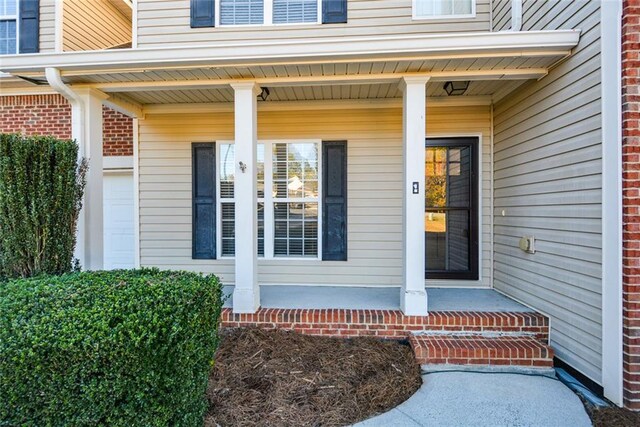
(41,187)
(121,348)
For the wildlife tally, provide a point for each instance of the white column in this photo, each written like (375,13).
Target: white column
(86,129)
(413,297)
(246,294)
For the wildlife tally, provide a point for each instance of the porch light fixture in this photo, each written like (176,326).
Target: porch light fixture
(456,88)
(264,94)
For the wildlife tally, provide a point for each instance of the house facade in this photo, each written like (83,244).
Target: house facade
(415,145)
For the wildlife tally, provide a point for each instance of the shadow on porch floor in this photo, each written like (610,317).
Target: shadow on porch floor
(323,297)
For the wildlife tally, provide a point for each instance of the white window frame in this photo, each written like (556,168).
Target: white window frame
(416,17)
(267,18)
(269,200)
(14,18)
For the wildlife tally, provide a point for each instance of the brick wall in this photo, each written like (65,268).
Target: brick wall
(51,115)
(117,133)
(631,199)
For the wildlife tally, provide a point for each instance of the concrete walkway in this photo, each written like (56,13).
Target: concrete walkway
(486,399)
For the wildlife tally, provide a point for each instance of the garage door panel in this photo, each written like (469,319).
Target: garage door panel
(118,221)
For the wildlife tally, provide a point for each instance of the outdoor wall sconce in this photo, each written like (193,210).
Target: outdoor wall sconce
(243,166)
(456,88)
(264,93)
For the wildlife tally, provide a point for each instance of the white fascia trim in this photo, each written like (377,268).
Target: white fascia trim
(117,162)
(612,304)
(526,43)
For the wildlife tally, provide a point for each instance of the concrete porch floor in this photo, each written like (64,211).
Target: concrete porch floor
(382,298)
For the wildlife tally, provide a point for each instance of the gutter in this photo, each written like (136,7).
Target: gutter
(348,49)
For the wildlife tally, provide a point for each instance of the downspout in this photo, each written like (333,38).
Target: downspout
(77,104)
(516,15)
(77,132)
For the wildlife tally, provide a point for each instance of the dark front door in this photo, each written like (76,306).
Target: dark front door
(451,208)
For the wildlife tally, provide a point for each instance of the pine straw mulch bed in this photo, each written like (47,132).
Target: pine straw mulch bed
(279,378)
(613,417)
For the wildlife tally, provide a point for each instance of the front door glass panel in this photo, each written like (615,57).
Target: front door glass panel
(451,239)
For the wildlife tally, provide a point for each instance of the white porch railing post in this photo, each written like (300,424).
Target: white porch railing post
(413,298)
(88,134)
(246,294)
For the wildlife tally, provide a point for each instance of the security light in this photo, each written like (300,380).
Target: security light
(456,88)
(264,94)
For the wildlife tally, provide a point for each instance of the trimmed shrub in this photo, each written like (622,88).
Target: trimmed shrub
(41,187)
(120,348)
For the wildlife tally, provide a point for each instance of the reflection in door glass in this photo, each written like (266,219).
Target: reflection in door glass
(448,208)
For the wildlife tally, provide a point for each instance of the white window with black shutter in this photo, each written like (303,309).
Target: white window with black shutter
(211,13)
(296,219)
(19,26)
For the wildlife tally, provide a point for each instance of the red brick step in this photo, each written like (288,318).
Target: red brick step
(481,350)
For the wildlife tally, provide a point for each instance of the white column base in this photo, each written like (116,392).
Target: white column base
(413,303)
(246,300)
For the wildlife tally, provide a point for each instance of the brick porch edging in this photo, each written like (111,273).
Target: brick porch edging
(631,200)
(387,323)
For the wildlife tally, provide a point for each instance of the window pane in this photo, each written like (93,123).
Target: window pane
(260,229)
(227,170)
(296,229)
(228,229)
(260,170)
(8,7)
(434,8)
(292,11)
(295,170)
(241,12)
(7,37)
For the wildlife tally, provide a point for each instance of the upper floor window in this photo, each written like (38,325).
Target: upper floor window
(257,12)
(8,27)
(437,9)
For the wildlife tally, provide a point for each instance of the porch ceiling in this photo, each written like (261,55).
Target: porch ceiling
(315,93)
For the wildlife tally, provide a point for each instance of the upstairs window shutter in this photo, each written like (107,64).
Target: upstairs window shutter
(29,17)
(334,201)
(334,11)
(203,13)
(204,201)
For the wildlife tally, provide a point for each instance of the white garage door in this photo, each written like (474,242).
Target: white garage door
(118,221)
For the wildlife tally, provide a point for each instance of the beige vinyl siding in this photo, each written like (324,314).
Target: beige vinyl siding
(501,14)
(374,188)
(93,26)
(167,23)
(47,25)
(548,183)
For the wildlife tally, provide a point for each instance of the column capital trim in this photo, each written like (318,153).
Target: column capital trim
(413,80)
(253,86)
(91,92)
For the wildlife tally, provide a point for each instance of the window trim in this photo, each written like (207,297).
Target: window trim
(267,17)
(269,200)
(416,17)
(16,18)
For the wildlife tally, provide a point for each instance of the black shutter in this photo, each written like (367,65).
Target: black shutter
(29,17)
(202,13)
(334,11)
(334,201)
(204,201)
